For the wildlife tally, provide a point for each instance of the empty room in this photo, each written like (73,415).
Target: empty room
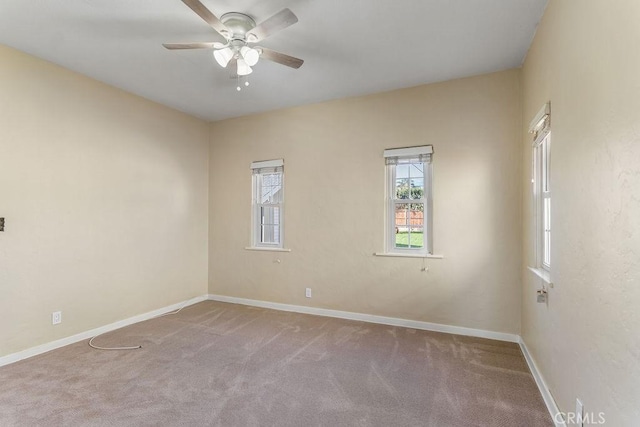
(305,212)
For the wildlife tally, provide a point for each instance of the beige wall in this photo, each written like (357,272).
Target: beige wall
(105,199)
(334,204)
(585,59)
(106,195)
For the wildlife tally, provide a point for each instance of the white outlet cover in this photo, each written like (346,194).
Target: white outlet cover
(307,293)
(56,317)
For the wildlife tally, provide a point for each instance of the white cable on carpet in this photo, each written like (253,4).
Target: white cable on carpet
(133,347)
(110,348)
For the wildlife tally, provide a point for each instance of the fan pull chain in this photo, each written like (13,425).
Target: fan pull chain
(239,86)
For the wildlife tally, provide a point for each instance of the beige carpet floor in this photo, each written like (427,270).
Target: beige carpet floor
(217,364)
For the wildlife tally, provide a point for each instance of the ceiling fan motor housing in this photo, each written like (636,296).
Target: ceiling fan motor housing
(239,24)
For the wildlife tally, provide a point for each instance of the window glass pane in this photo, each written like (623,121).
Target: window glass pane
(263,192)
(409,180)
(416,237)
(269,234)
(547,231)
(275,194)
(402,217)
(269,179)
(402,171)
(417,188)
(402,239)
(409,225)
(402,188)
(411,239)
(270,215)
(545,165)
(270,224)
(417,214)
(416,223)
(416,170)
(270,189)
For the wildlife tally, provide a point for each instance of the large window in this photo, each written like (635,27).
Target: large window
(408,223)
(540,128)
(268,199)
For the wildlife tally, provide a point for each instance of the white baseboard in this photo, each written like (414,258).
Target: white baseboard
(370,318)
(34,351)
(542,385)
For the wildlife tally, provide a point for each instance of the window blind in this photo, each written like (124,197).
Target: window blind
(541,123)
(267,166)
(422,153)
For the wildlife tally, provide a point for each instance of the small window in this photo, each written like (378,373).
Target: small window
(409,222)
(541,180)
(267,202)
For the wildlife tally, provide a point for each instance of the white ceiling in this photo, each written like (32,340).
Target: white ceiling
(350,47)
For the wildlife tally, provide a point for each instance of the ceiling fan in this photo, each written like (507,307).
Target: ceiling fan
(240,32)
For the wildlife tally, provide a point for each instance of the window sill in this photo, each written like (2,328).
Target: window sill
(541,273)
(260,248)
(408,255)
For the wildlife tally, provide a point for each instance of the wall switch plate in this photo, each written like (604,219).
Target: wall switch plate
(579,413)
(56,317)
(541,296)
(307,293)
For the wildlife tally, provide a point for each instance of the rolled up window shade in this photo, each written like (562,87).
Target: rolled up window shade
(421,154)
(541,123)
(267,166)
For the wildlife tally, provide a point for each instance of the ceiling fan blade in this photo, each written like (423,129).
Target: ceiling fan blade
(280,58)
(277,22)
(208,17)
(194,45)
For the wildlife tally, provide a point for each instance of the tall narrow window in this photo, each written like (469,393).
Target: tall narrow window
(268,199)
(540,128)
(409,207)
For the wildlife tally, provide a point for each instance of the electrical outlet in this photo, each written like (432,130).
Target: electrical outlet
(307,293)
(56,317)
(1,224)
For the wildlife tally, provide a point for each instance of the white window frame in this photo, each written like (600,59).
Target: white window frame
(422,154)
(259,169)
(541,187)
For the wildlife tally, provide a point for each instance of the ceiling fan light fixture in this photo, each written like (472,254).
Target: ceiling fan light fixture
(243,68)
(223,56)
(249,55)
(240,31)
